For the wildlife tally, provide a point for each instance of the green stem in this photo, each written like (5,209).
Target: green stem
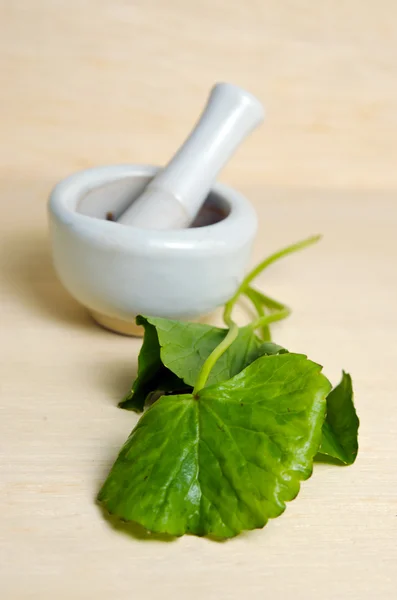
(267,319)
(214,356)
(262,266)
(258,304)
(270,303)
(276,256)
(264,320)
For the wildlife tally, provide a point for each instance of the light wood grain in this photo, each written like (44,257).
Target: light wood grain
(86,83)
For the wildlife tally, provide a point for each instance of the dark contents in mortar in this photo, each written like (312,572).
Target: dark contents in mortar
(109,201)
(210,214)
(214,210)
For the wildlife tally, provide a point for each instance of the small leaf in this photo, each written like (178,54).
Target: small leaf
(186,346)
(173,353)
(340,430)
(227,460)
(149,364)
(152,375)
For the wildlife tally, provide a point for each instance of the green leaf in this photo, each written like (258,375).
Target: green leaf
(186,346)
(173,353)
(340,430)
(269,348)
(149,364)
(152,375)
(161,382)
(226,460)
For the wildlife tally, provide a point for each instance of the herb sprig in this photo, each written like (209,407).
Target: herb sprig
(233,426)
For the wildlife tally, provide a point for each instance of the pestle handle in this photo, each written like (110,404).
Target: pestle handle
(175,195)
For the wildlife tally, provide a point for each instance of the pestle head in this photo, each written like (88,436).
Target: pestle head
(174,197)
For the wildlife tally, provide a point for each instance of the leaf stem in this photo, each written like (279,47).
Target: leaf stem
(263,320)
(267,319)
(270,303)
(276,256)
(262,266)
(258,304)
(214,356)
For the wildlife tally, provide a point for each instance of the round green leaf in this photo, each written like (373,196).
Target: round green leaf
(226,460)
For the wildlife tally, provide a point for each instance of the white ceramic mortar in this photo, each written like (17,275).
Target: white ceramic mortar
(118,271)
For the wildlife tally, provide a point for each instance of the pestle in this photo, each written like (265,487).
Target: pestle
(175,195)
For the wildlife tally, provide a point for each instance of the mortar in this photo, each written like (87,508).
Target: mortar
(118,271)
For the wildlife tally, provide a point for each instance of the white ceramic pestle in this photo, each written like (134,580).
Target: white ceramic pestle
(175,195)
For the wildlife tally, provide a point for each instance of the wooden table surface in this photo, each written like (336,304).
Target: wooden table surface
(94,82)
